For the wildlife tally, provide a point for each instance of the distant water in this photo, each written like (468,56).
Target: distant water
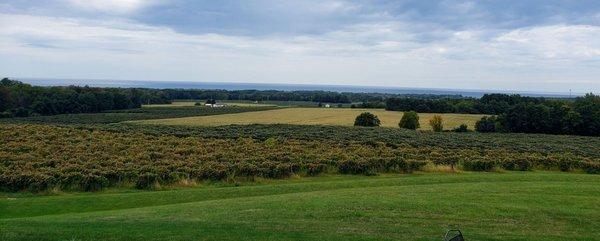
(282,87)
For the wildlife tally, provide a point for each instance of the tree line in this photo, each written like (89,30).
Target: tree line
(493,104)
(300,95)
(18,99)
(515,113)
(579,117)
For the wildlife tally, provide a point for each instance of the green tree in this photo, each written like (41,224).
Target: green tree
(588,108)
(486,124)
(410,120)
(437,123)
(462,128)
(366,119)
(4,99)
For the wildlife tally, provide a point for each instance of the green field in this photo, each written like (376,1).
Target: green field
(486,206)
(314,116)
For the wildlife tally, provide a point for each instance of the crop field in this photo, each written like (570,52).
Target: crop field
(145,113)
(314,116)
(44,157)
(486,206)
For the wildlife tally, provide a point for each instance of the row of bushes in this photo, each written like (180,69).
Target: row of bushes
(38,157)
(147,179)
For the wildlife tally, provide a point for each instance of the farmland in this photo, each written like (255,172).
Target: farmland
(145,113)
(256,172)
(43,157)
(314,116)
(486,206)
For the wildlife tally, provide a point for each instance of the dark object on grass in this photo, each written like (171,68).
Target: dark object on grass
(453,235)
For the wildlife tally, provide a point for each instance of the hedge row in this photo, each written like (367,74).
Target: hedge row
(40,157)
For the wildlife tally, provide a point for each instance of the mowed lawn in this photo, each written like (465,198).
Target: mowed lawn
(486,206)
(314,116)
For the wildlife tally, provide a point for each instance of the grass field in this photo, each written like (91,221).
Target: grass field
(314,116)
(486,206)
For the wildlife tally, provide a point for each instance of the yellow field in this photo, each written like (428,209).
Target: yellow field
(313,116)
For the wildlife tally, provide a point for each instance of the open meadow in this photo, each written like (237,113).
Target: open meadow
(314,116)
(486,206)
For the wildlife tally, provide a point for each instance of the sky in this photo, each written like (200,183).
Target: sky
(532,45)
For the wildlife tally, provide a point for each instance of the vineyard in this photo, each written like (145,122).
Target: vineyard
(43,157)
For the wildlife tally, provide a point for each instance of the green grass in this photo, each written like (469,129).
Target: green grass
(486,206)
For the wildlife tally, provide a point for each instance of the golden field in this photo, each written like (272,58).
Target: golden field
(313,116)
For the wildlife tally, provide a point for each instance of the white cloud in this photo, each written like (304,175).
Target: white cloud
(575,42)
(113,6)
(387,53)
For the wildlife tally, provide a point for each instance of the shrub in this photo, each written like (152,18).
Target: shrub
(479,165)
(93,182)
(414,165)
(367,119)
(517,165)
(462,128)
(314,169)
(146,181)
(591,168)
(356,167)
(436,123)
(565,165)
(410,120)
(486,124)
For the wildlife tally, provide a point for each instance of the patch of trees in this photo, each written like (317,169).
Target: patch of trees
(493,104)
(409,120)
(369,105)
(18,99)
(367,119)
(579,117)
(515,113)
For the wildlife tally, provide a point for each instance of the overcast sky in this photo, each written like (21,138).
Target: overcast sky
(497,45)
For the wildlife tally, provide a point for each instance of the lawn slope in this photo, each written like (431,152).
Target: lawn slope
(487,206)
